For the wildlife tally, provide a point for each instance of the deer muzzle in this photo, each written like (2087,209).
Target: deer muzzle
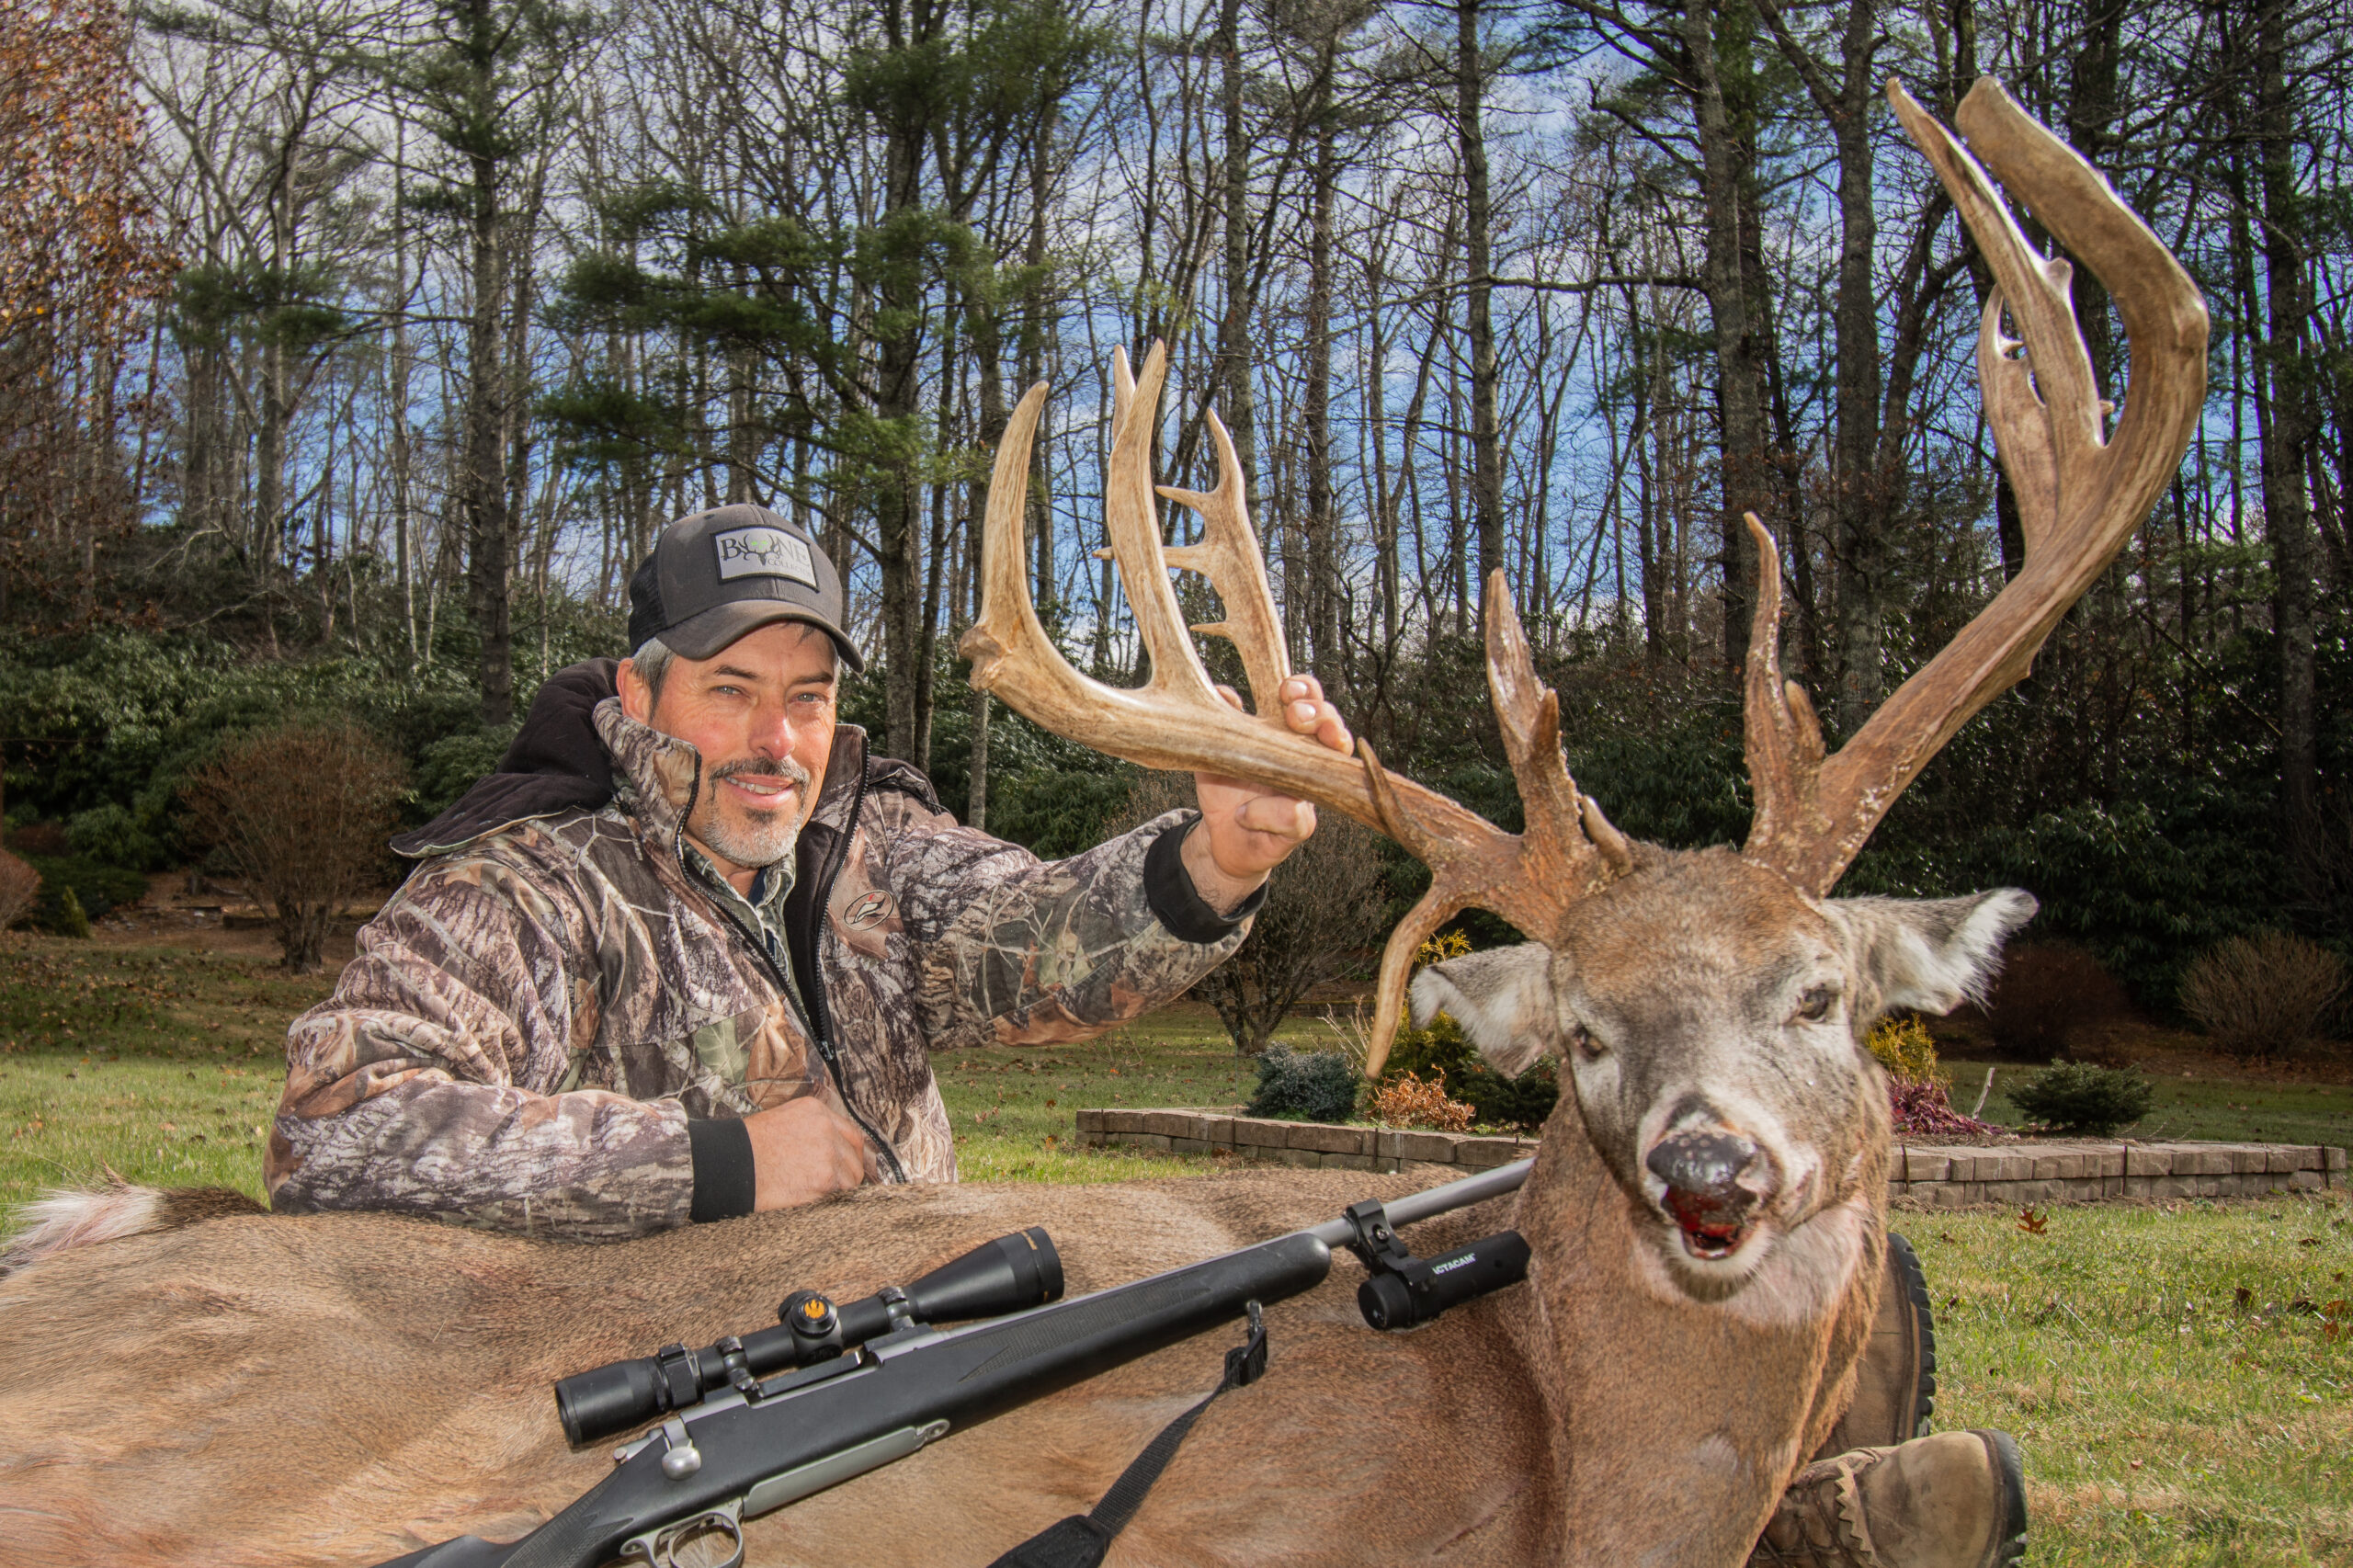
(1714,1182)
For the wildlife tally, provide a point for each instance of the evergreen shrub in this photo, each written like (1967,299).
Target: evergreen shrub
(2075,1097)
(112,835)
(1305,1085)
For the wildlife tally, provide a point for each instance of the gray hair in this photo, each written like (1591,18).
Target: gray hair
(652,663)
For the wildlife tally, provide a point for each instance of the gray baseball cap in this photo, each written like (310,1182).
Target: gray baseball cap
(721,575)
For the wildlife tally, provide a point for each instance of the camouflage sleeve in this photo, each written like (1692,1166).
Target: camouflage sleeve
(1019,952)
(427,1083)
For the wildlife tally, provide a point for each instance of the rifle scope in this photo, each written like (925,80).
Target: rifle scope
(1004,1276)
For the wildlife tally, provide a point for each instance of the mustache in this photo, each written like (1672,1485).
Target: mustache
(780,767)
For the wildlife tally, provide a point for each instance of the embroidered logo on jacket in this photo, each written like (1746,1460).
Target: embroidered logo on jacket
(764,552)
(867,911)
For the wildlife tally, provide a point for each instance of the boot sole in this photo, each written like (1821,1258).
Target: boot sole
(2009,1541)
(1903,1265)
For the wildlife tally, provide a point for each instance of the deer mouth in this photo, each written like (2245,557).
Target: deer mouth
(1713,1228)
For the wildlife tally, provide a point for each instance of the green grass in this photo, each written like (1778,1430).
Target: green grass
(2115,1337)
(2165,1419)
(2227,1109)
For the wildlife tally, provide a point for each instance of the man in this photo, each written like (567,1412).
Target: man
(687,955)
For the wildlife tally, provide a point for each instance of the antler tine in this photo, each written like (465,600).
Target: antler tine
(1228,556)
(1132,519)
(2080,497)
(1529,715)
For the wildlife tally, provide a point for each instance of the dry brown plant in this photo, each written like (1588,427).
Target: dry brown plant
(303,814)
(20,886)
(1406,1101)
(2264,995)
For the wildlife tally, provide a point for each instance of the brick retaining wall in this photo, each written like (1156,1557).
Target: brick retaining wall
(1309,1144)
(2010,1174)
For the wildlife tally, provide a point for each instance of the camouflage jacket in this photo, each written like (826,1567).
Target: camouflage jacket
(553,1027)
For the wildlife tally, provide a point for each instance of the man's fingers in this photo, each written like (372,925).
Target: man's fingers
(1283,816)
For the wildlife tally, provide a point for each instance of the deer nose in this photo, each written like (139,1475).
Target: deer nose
(1704,1163)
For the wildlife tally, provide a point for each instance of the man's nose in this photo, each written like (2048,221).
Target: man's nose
(771,736)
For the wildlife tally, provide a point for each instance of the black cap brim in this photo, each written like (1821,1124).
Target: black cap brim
(703,636)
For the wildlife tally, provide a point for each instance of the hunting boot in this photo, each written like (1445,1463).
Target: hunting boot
(1956,1500)
(1895,1381)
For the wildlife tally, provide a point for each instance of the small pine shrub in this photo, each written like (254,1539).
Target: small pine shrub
(1311,1085)
(2264,995)
(2048,998)
(1406,1101)
(2075,1097)
(59,912)
(20,888)
(1904,1048)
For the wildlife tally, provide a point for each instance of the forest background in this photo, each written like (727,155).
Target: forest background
(352,351)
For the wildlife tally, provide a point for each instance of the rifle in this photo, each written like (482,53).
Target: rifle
(751,1446)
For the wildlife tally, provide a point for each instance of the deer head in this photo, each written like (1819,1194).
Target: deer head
(1709,1006)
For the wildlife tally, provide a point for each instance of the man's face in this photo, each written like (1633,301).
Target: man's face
(761,714)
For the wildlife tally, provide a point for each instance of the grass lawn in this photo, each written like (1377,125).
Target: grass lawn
(2165,1419)
(2205,1106)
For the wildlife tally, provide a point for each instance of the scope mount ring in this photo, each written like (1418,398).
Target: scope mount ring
(659,1546)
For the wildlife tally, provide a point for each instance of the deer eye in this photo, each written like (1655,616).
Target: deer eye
(1815,1006)
(1588,1048)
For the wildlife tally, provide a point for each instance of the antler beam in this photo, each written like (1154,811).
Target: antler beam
(2080,497)
(1176,721)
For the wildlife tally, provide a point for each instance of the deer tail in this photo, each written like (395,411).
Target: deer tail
(108,1211)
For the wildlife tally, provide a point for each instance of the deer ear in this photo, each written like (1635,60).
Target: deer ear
(1503,999)
(1928,954)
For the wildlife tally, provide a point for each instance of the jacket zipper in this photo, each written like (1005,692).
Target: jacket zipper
(820,1022)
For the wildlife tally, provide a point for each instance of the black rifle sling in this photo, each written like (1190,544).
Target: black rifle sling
(1082,1539)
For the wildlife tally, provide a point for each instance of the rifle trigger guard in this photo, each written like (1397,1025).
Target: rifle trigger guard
(659,1547)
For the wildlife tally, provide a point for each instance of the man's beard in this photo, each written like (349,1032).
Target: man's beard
(743,836)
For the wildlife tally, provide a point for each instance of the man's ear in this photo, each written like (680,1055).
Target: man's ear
(1928,954)
(1502,998)
(636,698)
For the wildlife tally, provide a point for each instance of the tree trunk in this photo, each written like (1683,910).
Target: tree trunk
(1478,221)
(1322,519)
(2285,359)
(1723,71)
(1240,409)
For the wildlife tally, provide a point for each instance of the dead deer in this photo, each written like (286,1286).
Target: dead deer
(1706,1213)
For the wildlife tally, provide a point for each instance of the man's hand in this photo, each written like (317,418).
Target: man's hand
(1244,831)
(802,1150)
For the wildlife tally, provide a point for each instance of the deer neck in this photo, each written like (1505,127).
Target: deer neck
(1713,1405)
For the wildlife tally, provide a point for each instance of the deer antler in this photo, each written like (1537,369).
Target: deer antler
(2080,498)
(1176,721)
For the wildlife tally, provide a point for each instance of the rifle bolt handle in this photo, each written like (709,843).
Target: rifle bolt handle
(681,1461)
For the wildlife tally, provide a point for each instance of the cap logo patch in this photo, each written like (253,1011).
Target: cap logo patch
(764,552)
